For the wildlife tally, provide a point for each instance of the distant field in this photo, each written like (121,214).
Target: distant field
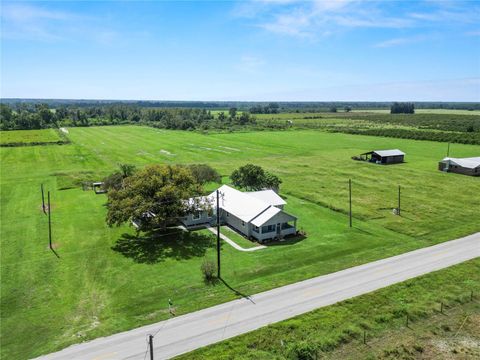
(29,136)
(107,281)
(426,111)
(446,127)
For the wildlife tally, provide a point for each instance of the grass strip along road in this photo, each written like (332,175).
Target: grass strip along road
(188,332)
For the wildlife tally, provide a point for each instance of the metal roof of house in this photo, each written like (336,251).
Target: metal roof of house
(393,152)
(268,196)
(269,214)
(265,216)
(246,206)
(237,203)
(469,163)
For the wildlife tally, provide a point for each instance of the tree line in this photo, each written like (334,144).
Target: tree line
(402,108)
(40,116)
(271,108)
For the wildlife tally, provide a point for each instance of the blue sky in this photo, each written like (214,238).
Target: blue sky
(282,50)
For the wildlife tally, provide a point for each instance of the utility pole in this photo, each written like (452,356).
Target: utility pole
(150,344)
(398,199)
(49,223)
(43,199)
(350,196)
(448,150)
(218,234)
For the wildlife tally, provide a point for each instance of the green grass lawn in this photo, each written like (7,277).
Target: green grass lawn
(320,333)
(105,281)
(237,238)
(29,136)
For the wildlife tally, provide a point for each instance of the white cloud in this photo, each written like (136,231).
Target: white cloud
(33,22)
(38,23)
(309,19)
(23,13)
(324,17)
(468,15)
(401,41)
(250,64)
(473,33)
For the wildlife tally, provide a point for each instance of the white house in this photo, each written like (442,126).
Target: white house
(257,214)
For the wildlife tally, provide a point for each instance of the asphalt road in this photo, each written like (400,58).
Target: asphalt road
(191,331)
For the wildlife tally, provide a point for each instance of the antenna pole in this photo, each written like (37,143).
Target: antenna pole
(150,344)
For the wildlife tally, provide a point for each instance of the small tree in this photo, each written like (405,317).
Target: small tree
(333,109)
(402,108)
(348,109)
(250,177)
(209,270)
(127,169)
(115,180)
(272,181)
(253,177)
(232,112)
(204,173)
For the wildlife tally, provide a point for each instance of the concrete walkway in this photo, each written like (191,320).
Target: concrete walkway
(233,243)
(200,328)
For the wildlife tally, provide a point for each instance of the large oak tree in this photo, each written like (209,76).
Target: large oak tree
(153,197)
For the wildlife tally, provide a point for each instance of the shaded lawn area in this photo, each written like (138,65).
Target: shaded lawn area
(156,246)
(107,280)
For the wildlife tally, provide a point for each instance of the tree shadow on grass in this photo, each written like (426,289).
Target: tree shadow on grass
(155,246)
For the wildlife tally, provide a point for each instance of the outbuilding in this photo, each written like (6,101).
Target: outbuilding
(466,166)
(393,156)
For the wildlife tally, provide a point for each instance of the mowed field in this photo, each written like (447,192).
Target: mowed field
(106,281)
(30,136)
(426,111)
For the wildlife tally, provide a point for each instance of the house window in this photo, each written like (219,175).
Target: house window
(196,215)
(227,213)
(243,223)
(255,228)
(268,229)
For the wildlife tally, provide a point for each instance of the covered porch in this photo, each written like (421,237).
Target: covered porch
(276,226)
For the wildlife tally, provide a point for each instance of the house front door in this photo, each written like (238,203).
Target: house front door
(278,229)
